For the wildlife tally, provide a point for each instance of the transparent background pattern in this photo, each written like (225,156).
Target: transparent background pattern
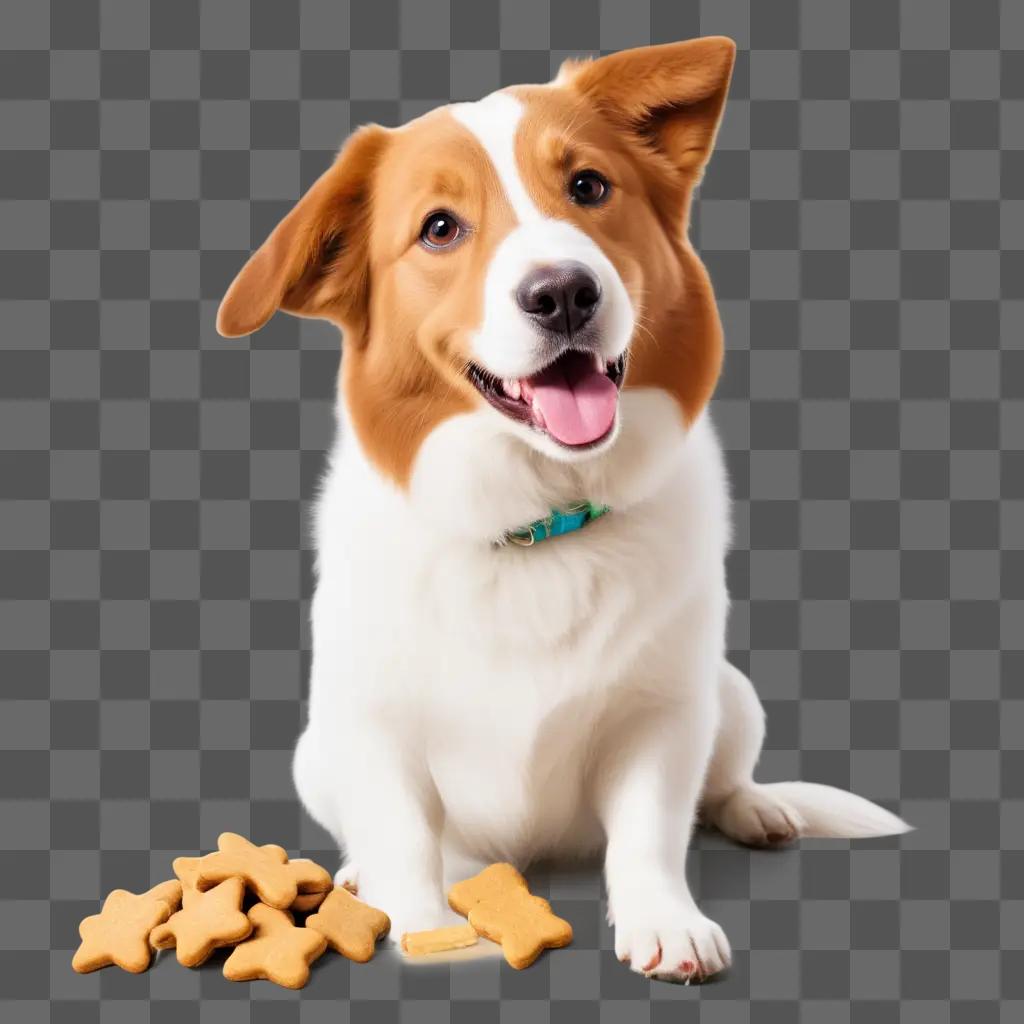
(863,221)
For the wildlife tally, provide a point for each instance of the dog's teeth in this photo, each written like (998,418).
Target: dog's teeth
(512,388)
(599,362)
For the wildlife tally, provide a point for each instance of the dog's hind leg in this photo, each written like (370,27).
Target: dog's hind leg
(774,813)
(732,801)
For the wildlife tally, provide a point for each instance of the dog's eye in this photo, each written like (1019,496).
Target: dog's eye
(440,230)
(588,188)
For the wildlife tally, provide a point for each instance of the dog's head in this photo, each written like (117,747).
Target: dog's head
(523,258)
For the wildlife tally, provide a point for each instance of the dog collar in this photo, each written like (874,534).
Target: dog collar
(557,524)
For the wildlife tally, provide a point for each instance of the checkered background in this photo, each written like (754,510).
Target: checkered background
(863,221)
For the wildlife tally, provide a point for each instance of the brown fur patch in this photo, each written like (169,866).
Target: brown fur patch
(312,264)
(409,375)
(646,120)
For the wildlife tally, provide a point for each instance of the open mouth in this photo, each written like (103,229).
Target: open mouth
(573,399)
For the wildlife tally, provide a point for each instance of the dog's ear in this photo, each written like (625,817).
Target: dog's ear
(671,95)
(315,261)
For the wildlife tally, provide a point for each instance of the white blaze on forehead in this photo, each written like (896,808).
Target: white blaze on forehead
(494,121)
(508,344)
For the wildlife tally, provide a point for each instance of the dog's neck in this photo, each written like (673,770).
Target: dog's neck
(474,480)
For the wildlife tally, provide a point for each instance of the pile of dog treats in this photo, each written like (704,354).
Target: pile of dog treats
(205,908)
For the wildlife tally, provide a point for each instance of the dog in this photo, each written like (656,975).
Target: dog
(519,620)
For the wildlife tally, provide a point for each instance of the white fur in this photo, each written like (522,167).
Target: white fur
(473,702)
(493,120)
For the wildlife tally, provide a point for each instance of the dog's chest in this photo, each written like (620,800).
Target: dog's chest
(498,662)
(525,649)
(444,622)
(555,619)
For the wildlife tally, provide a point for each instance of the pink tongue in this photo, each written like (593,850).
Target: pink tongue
(577,400)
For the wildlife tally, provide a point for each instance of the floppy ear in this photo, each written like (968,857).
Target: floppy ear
(314,262)
(670,95)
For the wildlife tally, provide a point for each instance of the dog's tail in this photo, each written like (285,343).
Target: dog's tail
(825,812)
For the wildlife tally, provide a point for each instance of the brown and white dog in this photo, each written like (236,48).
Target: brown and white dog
(528,328)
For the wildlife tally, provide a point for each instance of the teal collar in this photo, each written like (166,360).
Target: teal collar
(557,524)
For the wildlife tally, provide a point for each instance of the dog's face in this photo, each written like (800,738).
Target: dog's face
(524,257)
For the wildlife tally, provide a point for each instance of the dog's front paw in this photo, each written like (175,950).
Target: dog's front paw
(410,910)
(668,938)
(347,876)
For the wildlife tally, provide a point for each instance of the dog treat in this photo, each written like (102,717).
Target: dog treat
(440,940)
(276,951)
(187,870)
(499,905)
(207,921)
(313,883)
(279,853)
(119,933)
(351,927)
(263,868)
(307,902)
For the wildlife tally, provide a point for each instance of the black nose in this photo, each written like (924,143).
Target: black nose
(560,297)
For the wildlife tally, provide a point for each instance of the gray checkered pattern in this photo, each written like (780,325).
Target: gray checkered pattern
(863,221)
